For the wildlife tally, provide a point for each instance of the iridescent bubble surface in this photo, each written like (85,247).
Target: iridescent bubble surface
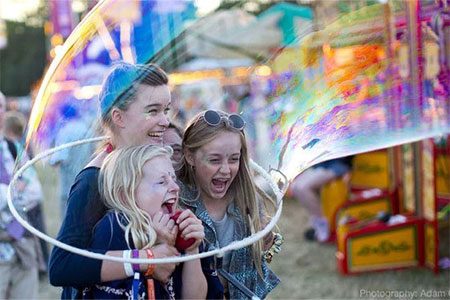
(310,87)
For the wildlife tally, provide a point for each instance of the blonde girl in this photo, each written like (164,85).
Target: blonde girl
(138,185)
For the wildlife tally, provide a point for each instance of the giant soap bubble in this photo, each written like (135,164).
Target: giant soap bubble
(309,91)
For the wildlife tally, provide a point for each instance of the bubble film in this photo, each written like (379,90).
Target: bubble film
(311,87)
(132,31)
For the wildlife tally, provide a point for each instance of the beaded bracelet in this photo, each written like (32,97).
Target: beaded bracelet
(276,247)
(150,267)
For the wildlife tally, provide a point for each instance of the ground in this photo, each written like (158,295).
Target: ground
(307,270)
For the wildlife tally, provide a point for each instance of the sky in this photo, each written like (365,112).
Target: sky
(17,9)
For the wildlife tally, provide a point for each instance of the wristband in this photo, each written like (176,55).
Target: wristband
(135,254)
(150,267)
(136,286)
(127,266)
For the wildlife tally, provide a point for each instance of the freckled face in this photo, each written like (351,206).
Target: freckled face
(216,164)
(158,190)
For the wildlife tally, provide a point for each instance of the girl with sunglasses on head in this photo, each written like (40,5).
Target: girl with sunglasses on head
(218,187)
(138,184)
(134,104)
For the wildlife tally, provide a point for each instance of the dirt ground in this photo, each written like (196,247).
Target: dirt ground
(307,270)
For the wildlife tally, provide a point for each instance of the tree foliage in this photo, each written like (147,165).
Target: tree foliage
(23,61)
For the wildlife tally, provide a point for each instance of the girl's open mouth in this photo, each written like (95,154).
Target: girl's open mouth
(168,206)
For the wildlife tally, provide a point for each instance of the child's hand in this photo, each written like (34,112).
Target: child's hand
(165,228)
(191,227)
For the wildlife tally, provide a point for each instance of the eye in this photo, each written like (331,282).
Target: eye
(152,112)
(235,159)
(167,110)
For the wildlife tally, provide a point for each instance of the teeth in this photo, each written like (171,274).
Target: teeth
(170,201)
(155,134)
(221,180)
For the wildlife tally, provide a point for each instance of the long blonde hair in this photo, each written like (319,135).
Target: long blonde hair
(120,175)
(246,195)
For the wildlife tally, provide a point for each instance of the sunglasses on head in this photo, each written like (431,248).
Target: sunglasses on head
(213,118)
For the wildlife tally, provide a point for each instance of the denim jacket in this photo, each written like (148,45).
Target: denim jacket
(241,263)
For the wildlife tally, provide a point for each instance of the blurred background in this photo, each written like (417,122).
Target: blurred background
(339,77)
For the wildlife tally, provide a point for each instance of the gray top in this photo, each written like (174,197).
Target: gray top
(225,233)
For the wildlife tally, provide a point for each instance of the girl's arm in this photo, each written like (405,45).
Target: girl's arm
(194,281)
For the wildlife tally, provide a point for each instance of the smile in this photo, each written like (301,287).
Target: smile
(158,134)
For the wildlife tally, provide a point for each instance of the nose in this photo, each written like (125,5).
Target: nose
(174,186)
(164,121)
(225,168)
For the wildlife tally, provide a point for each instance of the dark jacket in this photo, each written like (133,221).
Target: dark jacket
(84,210)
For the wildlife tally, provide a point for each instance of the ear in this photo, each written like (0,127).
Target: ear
(189,157)
(117,117)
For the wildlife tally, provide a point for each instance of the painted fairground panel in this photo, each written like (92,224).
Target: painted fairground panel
(394,248)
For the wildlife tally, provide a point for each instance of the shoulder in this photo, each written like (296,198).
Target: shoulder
(12,147)
(84,197)
(98,160)
(88,174)
(86,184)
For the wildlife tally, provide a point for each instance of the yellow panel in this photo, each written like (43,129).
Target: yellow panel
(443,175)
(333,195)
(365,209)
(389,249)
(430,245)
(371,170)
